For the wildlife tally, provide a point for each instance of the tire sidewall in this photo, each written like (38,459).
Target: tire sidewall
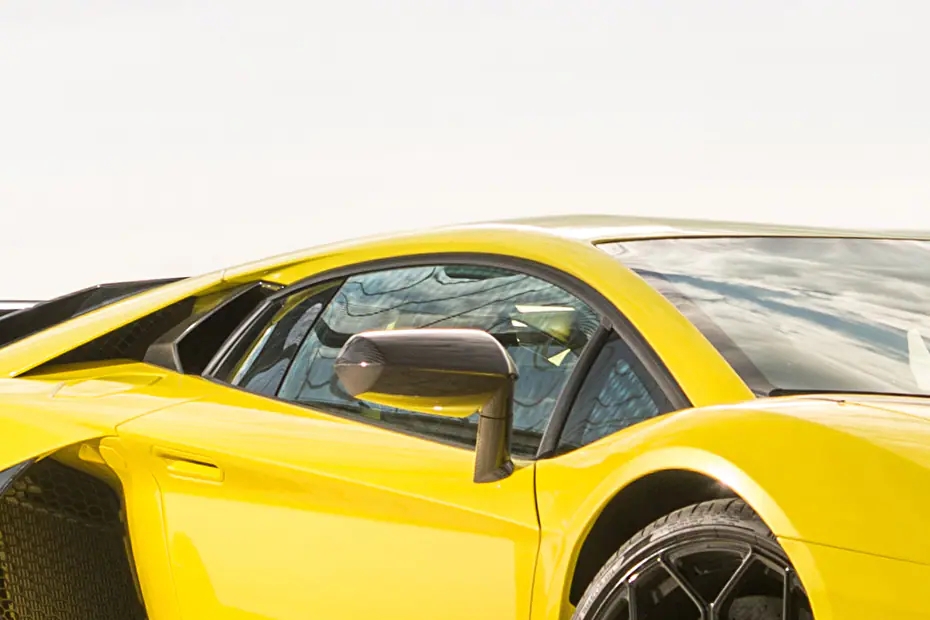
(653,540)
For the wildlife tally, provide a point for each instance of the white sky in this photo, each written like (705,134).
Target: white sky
(144,138)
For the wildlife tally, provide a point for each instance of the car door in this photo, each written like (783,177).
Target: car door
(284,497)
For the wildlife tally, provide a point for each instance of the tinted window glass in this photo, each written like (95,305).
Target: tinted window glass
(271,343)
(802,314)
(617,393)
(542,327)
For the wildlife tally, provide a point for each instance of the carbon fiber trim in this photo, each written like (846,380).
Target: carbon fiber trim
(129,341)
(62,549)
(35,317)
(192,343)
(9,475)
(9,307)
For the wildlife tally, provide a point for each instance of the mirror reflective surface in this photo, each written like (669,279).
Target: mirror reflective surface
(453,372)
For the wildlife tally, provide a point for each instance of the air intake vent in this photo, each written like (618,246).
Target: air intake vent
(62,551)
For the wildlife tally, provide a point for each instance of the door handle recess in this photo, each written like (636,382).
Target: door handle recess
(180,465)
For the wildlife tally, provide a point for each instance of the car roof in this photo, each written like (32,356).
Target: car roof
(580,228)
(604,228)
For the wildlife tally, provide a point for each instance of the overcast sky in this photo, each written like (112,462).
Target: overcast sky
(162,137)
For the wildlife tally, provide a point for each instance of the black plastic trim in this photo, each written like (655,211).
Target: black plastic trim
(563,406)
(9,307)
(731,352)
(173,349)
(211,368)
(573,285)
(27,321)
(614,318)
(127,342)
(220,361)
(8,476)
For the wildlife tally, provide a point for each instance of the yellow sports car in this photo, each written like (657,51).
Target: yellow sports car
(583,417)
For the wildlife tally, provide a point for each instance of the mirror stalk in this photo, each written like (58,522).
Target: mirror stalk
(439,371)
(495,425)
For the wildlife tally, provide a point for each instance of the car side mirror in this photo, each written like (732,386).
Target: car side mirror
(439,371)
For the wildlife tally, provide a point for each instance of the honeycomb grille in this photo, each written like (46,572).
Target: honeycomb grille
(129,341)
(62,550)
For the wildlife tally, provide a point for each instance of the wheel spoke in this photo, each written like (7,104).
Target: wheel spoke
(731,584)
(787,606)
(750,582)
(693,594)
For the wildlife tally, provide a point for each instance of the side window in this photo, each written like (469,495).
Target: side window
(543,327)
(618,392)
(264,352)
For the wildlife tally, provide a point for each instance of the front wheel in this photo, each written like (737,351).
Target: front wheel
(710,561)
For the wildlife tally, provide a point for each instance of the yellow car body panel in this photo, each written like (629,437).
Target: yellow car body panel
(238,505)
(40,416)
(865,512)
(26,354)
(671,335)
(145,522)
(261,495)
(845,584)
(674,339)
(75,414)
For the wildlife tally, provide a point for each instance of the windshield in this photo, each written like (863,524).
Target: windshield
(801,314)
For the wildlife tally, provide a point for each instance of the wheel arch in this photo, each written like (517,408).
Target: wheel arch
(787,459)
(651,486)
(633,508)
(655,482)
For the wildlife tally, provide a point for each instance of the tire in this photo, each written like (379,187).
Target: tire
(716,556)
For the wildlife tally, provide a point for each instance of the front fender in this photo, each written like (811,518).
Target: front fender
(819,471)
(32,424)
(43,414)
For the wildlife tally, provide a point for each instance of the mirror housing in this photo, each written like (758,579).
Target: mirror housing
(439,371)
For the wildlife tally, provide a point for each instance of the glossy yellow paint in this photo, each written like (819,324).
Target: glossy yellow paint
(837,474)
(846,584)
(43,415)
(28,353)
(244,508)
(146,524)
(675,339)
(273,498)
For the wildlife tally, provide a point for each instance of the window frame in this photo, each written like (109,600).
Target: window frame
(607,338)
(612,320)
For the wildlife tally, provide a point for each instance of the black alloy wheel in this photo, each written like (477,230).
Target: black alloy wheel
(711,561)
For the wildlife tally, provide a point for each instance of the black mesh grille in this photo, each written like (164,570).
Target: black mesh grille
(62,550)
(130,341)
